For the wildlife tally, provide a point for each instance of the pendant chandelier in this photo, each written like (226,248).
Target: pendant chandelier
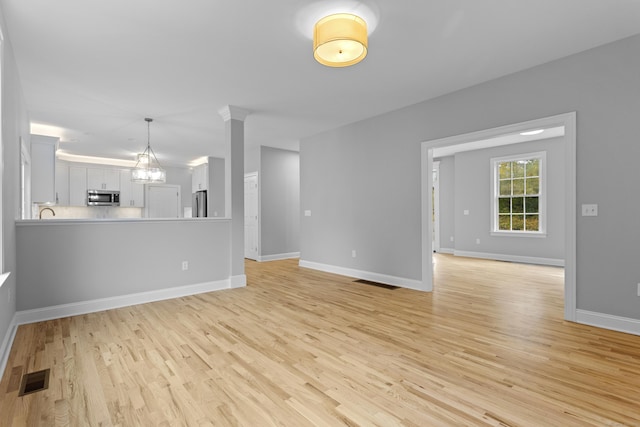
(148,169)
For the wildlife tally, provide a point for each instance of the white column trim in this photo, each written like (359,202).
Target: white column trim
(229,112)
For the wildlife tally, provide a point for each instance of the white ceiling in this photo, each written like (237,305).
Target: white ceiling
(94,69)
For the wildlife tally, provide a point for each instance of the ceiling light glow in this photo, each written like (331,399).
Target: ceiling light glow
(532,132)
(308,16)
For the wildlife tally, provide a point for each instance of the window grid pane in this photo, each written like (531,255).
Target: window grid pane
(517,179)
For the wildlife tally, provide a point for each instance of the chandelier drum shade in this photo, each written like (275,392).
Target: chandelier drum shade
(148,169)
(340,40)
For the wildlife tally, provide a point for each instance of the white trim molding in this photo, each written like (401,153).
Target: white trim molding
(229,112)
(4,277)
(511,258)
(365,275)
(608,321)
(101,304)
(239,281)
(7,343)
(445,251)
(277,257)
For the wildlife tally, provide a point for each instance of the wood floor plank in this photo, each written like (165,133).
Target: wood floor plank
(296,347)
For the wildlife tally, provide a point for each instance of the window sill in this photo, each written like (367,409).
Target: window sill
(518,234)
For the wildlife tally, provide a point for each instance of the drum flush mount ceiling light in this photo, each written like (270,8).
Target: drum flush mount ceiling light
(340,40)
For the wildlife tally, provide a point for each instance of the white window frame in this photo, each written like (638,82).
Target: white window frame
(542,200)
(4,276)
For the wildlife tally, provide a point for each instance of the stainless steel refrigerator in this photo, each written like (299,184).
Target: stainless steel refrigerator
(199,206)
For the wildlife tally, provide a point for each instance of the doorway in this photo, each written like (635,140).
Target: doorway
(251,206)
(568,122)
(435,210)
(162,201)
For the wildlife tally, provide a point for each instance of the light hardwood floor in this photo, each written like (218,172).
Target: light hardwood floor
(298,347)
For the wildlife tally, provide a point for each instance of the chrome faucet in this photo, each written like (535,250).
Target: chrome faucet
(47,209)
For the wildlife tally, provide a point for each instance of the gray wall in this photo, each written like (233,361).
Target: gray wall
(362,181)
(216,196)
(182,177)
(15,124)
(473,176)
(62,263)
(251,159)
(279,201)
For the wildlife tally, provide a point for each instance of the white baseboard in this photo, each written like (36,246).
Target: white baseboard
(607,321)
(366,275)
(278,257)
(238,281)
(445,251)
(83,307)
(7,342)
(512,258)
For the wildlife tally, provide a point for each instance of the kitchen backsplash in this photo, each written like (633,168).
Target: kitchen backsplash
(90,212)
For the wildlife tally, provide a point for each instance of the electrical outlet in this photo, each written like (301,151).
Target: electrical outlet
(589,210)
(185,265)
(639,289)
(451,238)
(477,241)
(353,253)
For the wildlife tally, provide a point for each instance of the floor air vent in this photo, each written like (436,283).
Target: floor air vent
(380,285)
(33,382)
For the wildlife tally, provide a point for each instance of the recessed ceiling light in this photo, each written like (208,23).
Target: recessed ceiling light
(532,132)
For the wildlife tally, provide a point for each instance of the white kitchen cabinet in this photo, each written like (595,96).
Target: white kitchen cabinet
(131,193)
(62,183)
(77,186)
(200,178)
(43,169)
(103,179)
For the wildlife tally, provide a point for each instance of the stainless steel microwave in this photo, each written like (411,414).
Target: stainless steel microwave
(103,198)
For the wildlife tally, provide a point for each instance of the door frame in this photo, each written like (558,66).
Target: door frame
(568,120)
(436,207)
(258,243)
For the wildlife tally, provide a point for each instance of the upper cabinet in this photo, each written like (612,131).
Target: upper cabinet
(200,178)
(43,169)
(62,183)
(72,190)
(77,186)
(131,193)
(103,179)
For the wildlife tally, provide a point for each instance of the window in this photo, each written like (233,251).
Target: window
(519,199)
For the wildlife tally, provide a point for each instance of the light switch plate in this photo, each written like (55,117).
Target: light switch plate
(307,213)
(466,212)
